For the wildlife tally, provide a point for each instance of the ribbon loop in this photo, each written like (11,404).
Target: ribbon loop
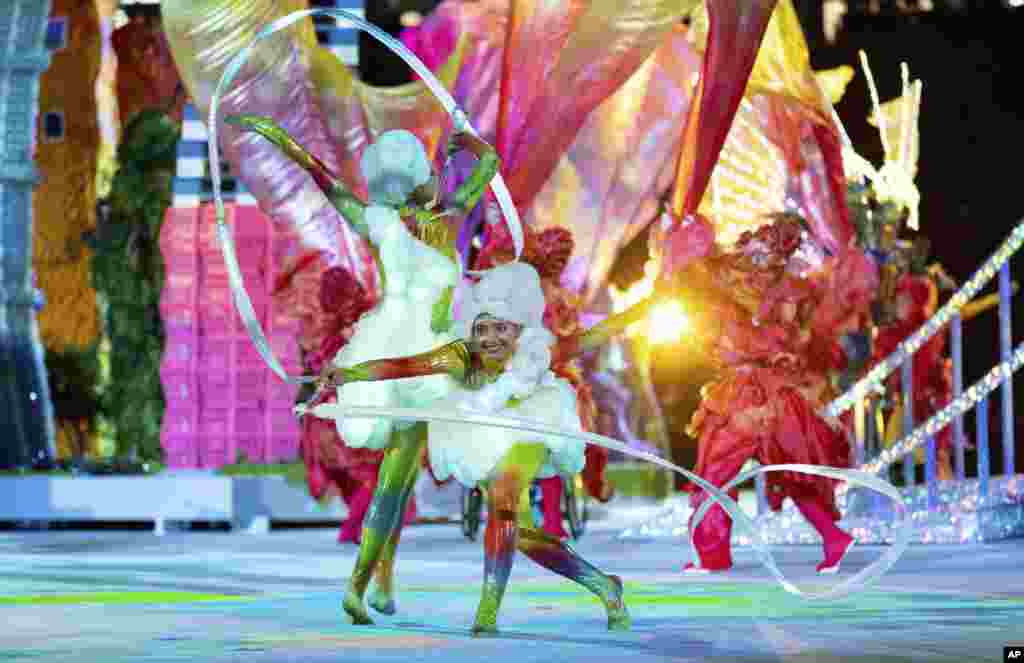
(238,291)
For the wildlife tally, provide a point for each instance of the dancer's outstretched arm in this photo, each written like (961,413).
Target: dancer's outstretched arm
(454,359)
(341,198)
(601,333)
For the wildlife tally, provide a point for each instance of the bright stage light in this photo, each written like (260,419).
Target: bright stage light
(667,323)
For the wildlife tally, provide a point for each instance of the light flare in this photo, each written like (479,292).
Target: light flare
(667,323)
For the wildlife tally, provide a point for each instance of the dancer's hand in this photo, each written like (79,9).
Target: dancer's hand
(330,376)
(457,142)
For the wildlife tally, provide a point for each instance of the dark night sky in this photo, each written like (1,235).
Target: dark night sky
(970,137)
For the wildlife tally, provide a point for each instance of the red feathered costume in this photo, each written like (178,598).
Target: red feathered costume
(756,320)
(916,302)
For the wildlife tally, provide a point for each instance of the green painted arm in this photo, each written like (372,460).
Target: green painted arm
(454,359)
(341,198)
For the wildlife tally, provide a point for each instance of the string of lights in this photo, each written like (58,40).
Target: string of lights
(940,420)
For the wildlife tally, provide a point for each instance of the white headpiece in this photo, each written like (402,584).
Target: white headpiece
(510,292)
(393,166)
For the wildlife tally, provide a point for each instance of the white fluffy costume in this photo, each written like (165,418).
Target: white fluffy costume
(415,276)
(527,389)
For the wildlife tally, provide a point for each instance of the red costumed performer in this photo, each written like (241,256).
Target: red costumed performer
(755,317)
(916,300)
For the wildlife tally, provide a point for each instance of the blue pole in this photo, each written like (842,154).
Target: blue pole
(956,347)
(762,495)
(981,424)
(907,384)
(930,475)
(1005,353)
(860,431)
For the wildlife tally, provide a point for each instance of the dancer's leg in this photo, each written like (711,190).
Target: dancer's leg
(721,456)
(397,473)
(551,504)
(507,494)
(560,557)
(835,541)
(382,596)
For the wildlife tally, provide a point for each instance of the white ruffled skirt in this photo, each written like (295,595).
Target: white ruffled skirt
(472,453)
(397,327)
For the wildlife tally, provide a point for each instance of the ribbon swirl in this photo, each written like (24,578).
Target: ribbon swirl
(718,495)
(238,291)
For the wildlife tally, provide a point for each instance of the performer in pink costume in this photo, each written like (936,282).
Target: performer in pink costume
(756,318)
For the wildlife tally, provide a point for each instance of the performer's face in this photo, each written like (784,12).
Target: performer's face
(496,338)
(427,193)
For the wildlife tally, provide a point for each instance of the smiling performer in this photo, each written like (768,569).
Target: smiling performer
(502,367)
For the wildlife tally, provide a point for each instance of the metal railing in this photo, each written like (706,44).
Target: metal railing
(867,452)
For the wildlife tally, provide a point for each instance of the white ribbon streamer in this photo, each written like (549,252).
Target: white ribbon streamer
(459,119)
(845,588)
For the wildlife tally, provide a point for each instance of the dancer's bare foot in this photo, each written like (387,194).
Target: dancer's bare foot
(618,615)
(382,601)
(353,606)
(484,630)
(486,622)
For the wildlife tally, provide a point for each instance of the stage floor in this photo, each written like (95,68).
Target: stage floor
(79,597)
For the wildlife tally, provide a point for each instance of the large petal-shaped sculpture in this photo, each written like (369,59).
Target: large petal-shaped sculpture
(609,40)
(612,180)
(596,167)
(735,29)
(783,151)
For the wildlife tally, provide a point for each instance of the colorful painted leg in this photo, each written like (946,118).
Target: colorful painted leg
(397,476)
(382,596)
(507,494)
(560,557)
(836,542)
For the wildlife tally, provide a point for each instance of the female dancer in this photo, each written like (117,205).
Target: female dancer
(419,276)
(501,367)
